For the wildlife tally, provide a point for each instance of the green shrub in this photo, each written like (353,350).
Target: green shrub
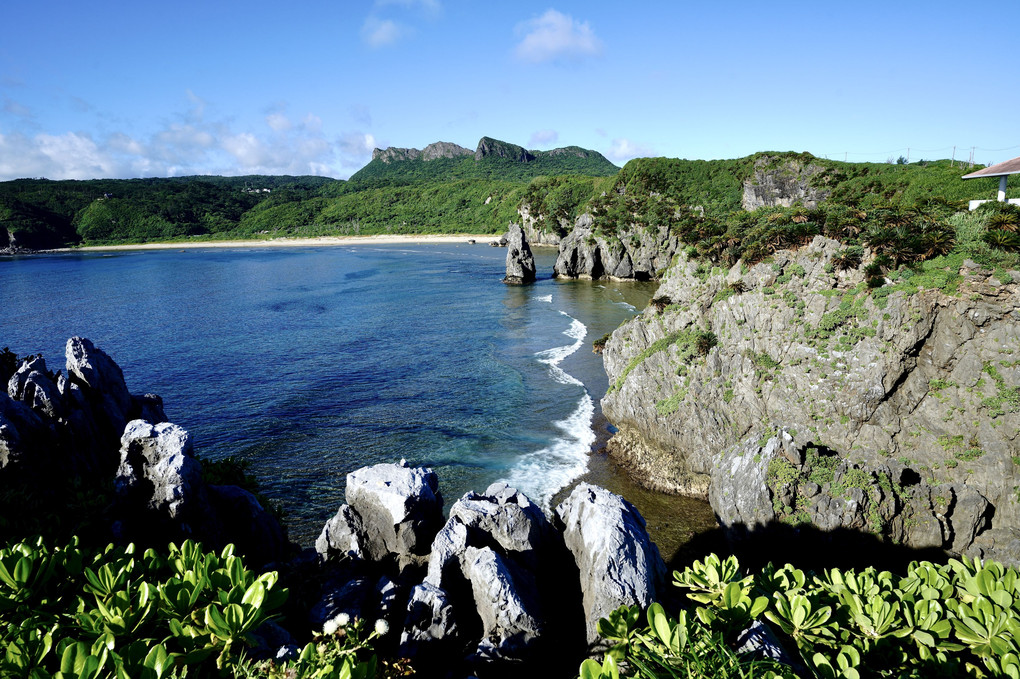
(67,612)
(956,619)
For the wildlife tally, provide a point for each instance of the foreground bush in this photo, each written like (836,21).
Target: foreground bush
(65,612)
(961,618)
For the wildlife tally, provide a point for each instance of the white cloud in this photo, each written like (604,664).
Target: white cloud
(187,144)
(622,150)
(278,122)
(555,36)
(66,156)
(381,32)
(543,138)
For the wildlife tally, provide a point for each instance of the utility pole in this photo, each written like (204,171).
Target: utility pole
(953,161)
(908,155)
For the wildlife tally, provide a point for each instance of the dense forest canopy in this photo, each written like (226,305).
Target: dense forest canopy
(471,193)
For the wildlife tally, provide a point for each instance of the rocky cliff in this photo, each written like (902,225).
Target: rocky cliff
(790,391)
(439,149)
(781,183)
(84,429)
(633,252)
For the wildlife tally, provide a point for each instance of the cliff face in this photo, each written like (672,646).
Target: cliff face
(782,184)
(439,149)
(634,252)
(787,392)
(533,229)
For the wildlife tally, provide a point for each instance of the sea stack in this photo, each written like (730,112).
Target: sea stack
(520,263)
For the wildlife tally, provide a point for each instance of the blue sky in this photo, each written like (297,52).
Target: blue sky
(139,89)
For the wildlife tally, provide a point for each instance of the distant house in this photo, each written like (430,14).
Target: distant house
(1000,170)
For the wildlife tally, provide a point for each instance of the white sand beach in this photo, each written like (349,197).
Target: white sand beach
(381,239)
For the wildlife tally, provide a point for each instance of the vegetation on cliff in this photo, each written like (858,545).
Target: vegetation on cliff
(452,193)
(959,619)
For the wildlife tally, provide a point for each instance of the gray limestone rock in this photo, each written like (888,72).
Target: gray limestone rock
(505,600)
(93,370)
(782,184)
(444,149)
(157,465)
(619,564)
(23,434)
(634,252)
(400,507)
(913,383)
(32,385)
(431,625)
(520,263)
(342,535)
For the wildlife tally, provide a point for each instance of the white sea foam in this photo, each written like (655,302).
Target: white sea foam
(540,474)
(626,305)
(553,357)
(544,298)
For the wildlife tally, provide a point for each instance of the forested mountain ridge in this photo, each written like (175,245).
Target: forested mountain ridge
(492,159)
(446,188)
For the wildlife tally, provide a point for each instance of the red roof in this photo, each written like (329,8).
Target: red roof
(997,170)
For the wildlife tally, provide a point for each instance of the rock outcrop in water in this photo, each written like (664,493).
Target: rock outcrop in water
(790,392)
(520,263)
(87,427)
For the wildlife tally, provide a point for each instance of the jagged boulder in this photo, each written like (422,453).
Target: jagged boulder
(505,600)
(430,629)
(520,263)
(158,470)
(32,384)
(619,565)
(20,430)
(393,511)
(487,562)
(342,535)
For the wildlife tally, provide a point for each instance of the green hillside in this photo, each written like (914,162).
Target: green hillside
(446,189)
(492,159)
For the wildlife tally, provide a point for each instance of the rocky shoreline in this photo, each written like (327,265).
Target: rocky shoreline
(495,585)
(789,396)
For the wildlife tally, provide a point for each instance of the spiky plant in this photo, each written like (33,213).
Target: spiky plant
(1003,240)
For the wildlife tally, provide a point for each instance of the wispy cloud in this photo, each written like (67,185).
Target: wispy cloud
(543,138)
(355,148)
(377,32)
(556,36)
(622,150)
(16,108)
(189,144)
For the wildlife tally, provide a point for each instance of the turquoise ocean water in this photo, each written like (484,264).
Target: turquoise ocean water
(312,362)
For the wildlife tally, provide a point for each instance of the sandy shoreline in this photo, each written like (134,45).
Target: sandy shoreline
(386,239)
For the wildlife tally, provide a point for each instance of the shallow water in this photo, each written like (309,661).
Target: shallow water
(312,362)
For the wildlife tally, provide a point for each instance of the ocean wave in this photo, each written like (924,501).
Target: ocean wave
(553,357)
(544,298)
(542,473)
(626,305)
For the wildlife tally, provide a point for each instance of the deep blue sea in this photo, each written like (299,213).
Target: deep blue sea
(312,362)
